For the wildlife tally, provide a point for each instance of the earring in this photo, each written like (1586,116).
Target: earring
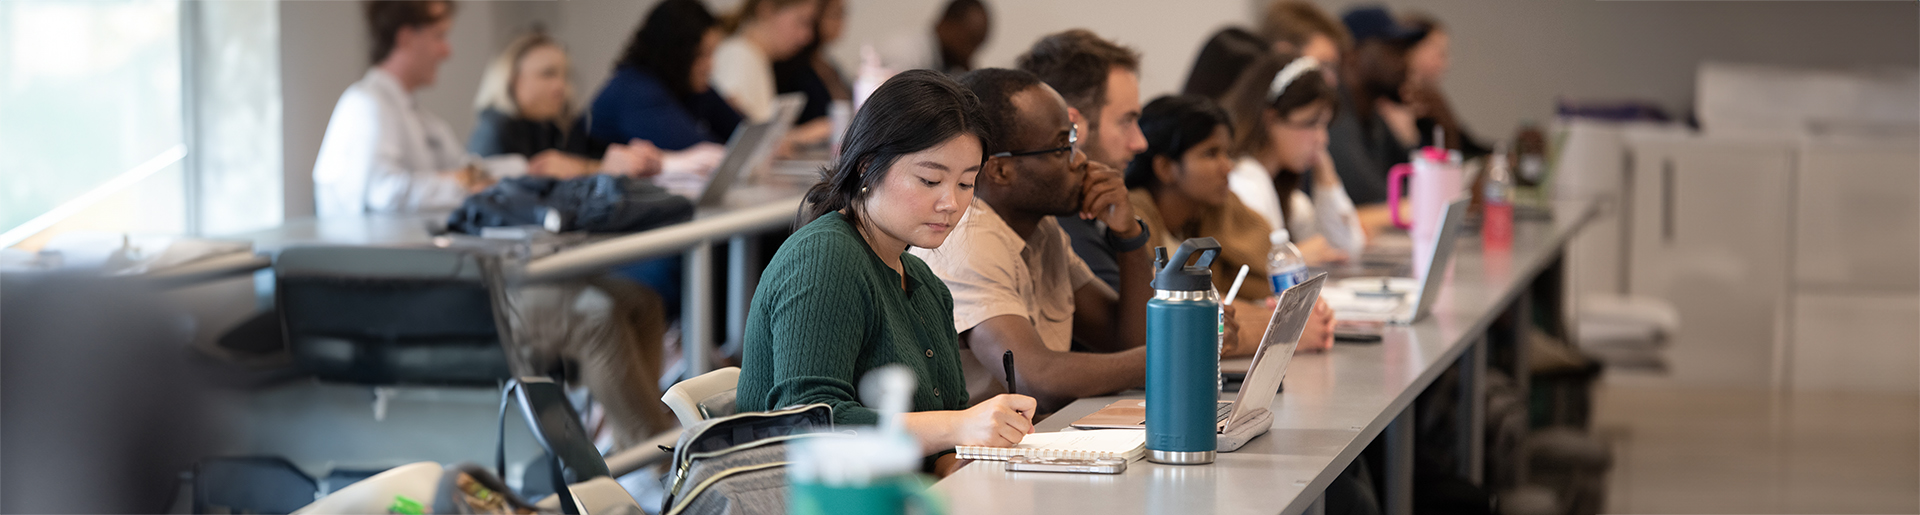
(863,190)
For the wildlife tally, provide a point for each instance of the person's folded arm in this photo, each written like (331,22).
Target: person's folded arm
(1054,378)
(1109,321)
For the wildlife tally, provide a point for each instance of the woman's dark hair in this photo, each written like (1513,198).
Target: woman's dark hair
(1376,69)
(1220,62)
(1172,126)
(668,42)
(911,112)
(804,58)
(385,18)
(1252,97)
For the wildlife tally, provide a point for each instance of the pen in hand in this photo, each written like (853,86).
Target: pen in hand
(1006,360)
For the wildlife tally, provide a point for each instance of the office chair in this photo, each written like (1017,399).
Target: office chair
(707,396)
(388,316)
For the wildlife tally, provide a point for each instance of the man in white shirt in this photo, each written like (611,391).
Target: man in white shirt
(382,152)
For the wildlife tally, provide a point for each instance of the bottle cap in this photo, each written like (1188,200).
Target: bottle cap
(1279,236)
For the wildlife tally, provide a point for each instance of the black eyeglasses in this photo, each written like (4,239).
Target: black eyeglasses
(1073,140)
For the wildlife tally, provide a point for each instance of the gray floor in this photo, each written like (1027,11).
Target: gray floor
(321,427)
(1704,449)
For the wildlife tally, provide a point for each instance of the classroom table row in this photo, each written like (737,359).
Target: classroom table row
(769,204)
(1333,404)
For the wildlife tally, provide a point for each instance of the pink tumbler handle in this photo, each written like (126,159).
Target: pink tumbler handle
(1394,175)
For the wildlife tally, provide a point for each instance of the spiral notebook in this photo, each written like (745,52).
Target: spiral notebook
(1128,444)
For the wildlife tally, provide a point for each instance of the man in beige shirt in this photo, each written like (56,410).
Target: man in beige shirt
(1016,283)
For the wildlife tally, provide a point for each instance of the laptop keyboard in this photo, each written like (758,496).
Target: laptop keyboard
(1221,411)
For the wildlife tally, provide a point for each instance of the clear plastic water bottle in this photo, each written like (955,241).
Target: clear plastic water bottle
(1285,266)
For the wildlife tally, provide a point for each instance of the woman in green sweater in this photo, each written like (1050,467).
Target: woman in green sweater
(842,297)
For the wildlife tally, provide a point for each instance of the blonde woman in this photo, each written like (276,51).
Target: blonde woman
(526,108)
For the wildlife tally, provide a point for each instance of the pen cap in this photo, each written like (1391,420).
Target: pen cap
(1174,274)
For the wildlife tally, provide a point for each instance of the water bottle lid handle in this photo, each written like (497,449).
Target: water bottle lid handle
(1174,274)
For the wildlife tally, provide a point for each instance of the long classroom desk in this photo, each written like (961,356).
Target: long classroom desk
(766,205)
(1334,405)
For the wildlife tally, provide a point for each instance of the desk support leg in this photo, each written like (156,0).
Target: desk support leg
(1472,411)
(696,311)
(739,291)
(1398,490)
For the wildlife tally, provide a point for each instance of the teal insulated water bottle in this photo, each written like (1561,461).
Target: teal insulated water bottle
(1183,355)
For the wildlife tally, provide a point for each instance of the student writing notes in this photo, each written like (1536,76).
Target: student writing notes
(842,296)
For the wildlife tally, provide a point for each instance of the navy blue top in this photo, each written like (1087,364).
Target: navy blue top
(636,104)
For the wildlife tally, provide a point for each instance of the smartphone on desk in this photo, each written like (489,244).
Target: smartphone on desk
(1354,331)
(1073,465)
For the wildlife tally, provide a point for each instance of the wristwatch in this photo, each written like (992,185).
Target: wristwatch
(1129,244)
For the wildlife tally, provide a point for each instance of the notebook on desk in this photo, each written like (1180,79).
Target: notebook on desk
(1124,444)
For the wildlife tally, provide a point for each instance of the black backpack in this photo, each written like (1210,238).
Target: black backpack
(597,203)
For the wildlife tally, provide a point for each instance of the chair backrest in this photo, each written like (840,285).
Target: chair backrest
(374,315)
(707,396)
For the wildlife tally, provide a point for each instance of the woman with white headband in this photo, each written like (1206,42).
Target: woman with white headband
(1281,107)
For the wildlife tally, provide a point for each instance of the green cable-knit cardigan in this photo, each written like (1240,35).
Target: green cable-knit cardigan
(828,310)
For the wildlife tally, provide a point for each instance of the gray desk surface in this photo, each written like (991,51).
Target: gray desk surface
(1335,403)
(770,202)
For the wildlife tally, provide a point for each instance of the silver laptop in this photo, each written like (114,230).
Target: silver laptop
(751,147)
(1263,379)
(1400,300)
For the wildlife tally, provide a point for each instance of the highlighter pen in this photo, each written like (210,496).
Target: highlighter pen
(1007,361)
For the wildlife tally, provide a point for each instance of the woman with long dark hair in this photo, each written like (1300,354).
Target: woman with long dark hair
(1179,187)
(1221,61)
(843,297)
(660,89)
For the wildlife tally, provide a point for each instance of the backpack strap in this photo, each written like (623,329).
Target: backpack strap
(567,505)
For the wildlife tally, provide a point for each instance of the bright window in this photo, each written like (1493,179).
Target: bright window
(90,95)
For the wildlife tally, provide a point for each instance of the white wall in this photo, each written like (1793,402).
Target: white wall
(1167,34)
(1512,60)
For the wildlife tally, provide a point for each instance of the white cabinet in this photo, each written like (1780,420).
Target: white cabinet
(1857,224)
(1856,318)
(1709,226)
